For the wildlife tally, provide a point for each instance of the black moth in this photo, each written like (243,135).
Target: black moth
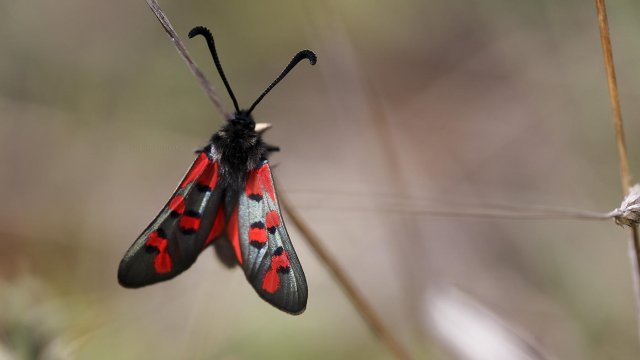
(226,199)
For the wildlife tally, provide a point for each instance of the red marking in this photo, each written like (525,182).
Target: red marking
(156,241)
(273,219)
(253,184)
(218,226)
(232,233)
(209,177)
(258,235)
(259,179)
(177,204)
(196,169)
(265,179)
(271,281)
(189,223)
(162,261)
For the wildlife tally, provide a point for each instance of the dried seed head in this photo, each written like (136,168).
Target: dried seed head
(629,211)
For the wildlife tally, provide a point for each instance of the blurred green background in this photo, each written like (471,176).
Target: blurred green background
(412,105)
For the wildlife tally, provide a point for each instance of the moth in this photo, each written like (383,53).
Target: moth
(226,199)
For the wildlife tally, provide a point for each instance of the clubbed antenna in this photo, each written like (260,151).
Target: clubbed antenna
(201,30)
(304,54)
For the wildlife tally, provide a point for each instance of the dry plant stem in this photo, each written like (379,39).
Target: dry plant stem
(605,41)
(182,50)
(576,215)
(491,214)
(358,301)
(634,244)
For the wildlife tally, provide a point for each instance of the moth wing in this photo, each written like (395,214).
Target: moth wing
(263,247)
(190,220)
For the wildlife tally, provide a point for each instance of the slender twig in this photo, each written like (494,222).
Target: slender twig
(486,213)
(625,175)
(403,203)
(182,50)
(357,299)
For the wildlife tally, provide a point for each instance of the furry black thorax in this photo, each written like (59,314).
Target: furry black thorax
(239,149)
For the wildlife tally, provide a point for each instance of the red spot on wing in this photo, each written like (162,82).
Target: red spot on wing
(271,281)
(273,219)
(266,181)
(209,176)
(218,226)
(259,180)
(258,235)
(157,241)
(233,234)
(253,184)
(279,261)
(177,204)
(189,223)
(196,170)
(162,261)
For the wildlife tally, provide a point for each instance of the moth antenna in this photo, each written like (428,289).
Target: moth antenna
(201,30)
(304,54)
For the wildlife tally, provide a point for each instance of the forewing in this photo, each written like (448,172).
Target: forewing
(265,252)
(189,221)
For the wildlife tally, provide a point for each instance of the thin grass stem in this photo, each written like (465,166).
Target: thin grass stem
(625,174)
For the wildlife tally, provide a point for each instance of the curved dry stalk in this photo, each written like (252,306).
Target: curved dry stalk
(357,299)
(625,175)
(182,50)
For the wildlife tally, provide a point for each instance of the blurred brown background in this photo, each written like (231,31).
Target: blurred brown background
(413,104)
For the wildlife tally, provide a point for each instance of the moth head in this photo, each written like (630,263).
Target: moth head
(244,119)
